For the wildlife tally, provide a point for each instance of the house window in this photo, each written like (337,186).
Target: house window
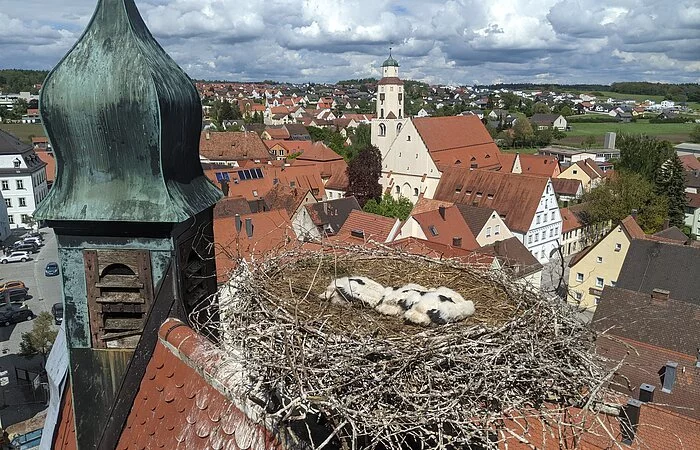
(20,184)
(382,127)
(398,127)
(16,163)
(25,218)
(398,189)
(292,184)
(599,282)
(497,230)
(5,185)
(538,218)
(579,277)
(255,193)
(11,219)
(381,114)
(551,232)
(575,172)
(579,296)
(488,231)
(22,201)
(542,254)
(537,236)
(8,202)
(552,215)
(618,247)
(544,218)
(529,239)
(281,152)
(599,259)
(415,192)
(408,138)
(433,230)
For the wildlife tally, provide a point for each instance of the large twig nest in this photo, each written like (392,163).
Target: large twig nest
(380,383)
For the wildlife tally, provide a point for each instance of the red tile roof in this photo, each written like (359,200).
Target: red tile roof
(232,146)
(272,231)
(374,227)
(444,229)
(693,200)
(565,186)
(318,152)
(514,196)
(390,80)
(425,204)
(570,221)
(544,166)
(690,162)
(178,405)
(50,161)
(338,179)
(458,140)
(277,132)
(437,250)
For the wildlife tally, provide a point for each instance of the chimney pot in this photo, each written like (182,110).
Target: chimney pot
(441,210)
(629,420)
(634,214)
(208,135)
(237,219)
(646,393)
(660,294)
(249,227)
(456,241)
(669,377)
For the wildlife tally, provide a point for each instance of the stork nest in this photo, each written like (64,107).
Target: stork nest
(374,381)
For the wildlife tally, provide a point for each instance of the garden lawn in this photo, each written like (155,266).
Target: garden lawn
(24,131)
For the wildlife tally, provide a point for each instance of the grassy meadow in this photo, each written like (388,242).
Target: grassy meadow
(672,132)
(24,131)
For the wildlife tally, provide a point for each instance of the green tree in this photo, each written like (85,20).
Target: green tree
(522,132)
(41,338)
(643,154)
(695,134)
(541,108)
(566,111)
(390,207)
(225,112)
(670,183)
(363,175)
(616,198)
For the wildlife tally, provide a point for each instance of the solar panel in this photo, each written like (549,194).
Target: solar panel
(259,172)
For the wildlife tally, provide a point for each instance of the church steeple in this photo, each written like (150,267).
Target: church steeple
(131,209)
(390,91)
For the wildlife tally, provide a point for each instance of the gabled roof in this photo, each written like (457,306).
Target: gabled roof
(545,166)
(443,229)
(692,178)
(544,119)
(232,146)
(332,213)
(277,132)
(296,129)
(438,250)
(50,160)
(475,216)
(565,186)
(458,140)
(338,179)
(693,200)
(590,167)
(651,264)
(424,204)
(672,234)
(515,196)
(230,206)
(319,152)
(372,226)
(514,256)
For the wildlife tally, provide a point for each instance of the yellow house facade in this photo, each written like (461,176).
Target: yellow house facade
(586,171)
(599,265)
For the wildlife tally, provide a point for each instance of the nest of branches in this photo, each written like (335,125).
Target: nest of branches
(373,381)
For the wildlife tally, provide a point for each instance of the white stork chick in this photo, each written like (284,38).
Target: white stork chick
(354,289)
(396,301)
(439,306)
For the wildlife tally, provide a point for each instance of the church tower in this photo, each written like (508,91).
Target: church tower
(131,209)
(389,106)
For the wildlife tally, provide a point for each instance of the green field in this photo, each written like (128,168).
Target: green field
(24,131)
(672,132)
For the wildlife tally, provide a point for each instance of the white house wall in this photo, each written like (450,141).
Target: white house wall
(493,231)
(544,235)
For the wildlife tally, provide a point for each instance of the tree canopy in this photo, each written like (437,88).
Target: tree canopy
(642,154)
(670,183)
(390,207)
(363,175)
(41,338)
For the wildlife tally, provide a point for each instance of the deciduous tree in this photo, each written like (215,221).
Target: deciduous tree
(670,183)
(390,207)
(363,175)
(41,338)
(642,154)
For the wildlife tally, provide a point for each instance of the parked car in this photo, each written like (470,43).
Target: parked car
(57,311)
(12,313)
(13,295)
(15,256)
(51,269)
(22,247)
(12,284)
(33,240)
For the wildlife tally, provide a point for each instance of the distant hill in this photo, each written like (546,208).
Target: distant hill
(20,80)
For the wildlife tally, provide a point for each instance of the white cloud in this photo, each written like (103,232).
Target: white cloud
(453,41)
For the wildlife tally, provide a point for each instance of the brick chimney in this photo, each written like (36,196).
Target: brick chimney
(646,393)
(629,420)
(456,241)
(660,294)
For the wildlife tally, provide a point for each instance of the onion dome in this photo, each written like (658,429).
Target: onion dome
(124,122)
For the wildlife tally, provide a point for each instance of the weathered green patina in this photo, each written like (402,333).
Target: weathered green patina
(124,121)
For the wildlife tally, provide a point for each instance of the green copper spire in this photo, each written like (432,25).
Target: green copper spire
(390,62)
(124,121)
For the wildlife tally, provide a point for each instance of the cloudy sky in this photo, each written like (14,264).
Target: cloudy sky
(444,41)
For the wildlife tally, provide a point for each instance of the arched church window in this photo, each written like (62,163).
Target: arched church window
(382,127)
(398,126)
(381,113)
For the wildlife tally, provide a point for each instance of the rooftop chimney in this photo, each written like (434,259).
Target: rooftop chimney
(629,420)
(669,376)
(237,219)
(208,135)
(249,227)
(441,210)
(660,294)
(456,241)
(634,214)
(646,393)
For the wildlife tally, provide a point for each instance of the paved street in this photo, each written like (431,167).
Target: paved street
(44,291)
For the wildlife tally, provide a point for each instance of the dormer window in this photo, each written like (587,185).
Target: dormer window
(16,163)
